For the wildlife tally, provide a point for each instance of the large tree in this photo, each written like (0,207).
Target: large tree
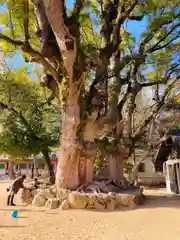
(28,123)
(95,68)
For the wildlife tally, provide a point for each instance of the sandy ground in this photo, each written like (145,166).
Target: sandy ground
(158,219)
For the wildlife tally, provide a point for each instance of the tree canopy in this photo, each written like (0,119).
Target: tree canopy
(28,122)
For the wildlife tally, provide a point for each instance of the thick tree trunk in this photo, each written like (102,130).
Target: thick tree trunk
(49,165)
(32,172)
(86,163)
(116,168)
(112,168)
(67,175)
(11,171)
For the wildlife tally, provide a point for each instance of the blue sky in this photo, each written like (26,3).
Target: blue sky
(136,28)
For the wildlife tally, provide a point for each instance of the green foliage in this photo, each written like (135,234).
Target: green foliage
(107,145)
(28,124)
(98,162)
(12,21)
(153,55)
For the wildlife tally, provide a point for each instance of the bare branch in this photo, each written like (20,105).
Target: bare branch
(152,83)
(26,20)
(136,18)
(152,32)
(163,38)
(167,44)
(78,7)
(11,23)
(156,109)
(170,71)
(12,41)
(146,154)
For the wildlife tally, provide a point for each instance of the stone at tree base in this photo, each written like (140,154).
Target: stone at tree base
(34,192)
(125,199)
(39,201)
(52,203)
(112,195)
(99,206)
(111,205)
(46,193)
(90,206)
(65,205)
(92,198)
(63,194)
(139,199)
(26,196)
(77,200)
(53,189)
(103,198)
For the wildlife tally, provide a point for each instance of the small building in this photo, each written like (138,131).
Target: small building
(26,163)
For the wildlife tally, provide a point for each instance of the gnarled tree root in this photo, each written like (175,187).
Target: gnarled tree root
(106,186)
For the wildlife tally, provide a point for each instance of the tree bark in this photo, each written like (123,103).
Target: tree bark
(67,175)
(11,171)
(112,168)
(116,168)
(86,163)
(32,171)
(134,172)
(49,165)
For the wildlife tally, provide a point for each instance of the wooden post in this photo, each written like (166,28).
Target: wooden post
(178,177)
(172,176)
(167,174)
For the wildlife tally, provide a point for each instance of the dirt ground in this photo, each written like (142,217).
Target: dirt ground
(158,219)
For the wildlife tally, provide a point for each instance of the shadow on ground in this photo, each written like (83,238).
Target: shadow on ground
(21,210)
(11,226)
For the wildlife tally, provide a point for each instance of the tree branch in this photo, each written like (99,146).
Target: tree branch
(151,34)
(22,118)
(26,20)
(151,147)
(168,74)
(78,7)
(26,48)
(157,108)
(136,18)
(167,44)
(157,47)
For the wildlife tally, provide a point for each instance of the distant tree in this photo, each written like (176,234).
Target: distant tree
(28,121)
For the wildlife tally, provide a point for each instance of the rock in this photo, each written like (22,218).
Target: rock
(125,199)
(64,205)
(103,198)
(77,200)
(139,200)
(111,205)
(26,196)
(47,193)
(52,203)
(112,195)
(99,206)
(63,194)
(92,198)
(39,201)
(34,192)
(53,189)
(90,207)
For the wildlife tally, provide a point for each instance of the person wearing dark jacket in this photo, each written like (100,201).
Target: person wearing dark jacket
(14,189)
